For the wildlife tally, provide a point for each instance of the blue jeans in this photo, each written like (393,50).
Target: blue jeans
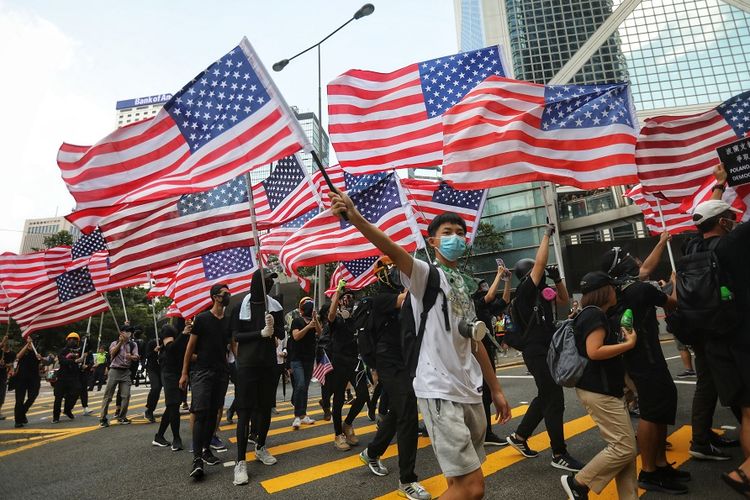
(301,376)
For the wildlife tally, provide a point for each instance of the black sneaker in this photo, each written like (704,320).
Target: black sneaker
(160,441)
(18,425)
(103,422)
(55,420)
(176,444)
(24,420)
(521,446)
(196,472)
(70,415)
(654,481)
(670,472)
(210,459)
(566,462)
(708,452)
(149,415)
(716,440)
(574,490)
(123,421)
(492,439)
(686,374)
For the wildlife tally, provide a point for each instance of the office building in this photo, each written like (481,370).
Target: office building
(140,108)
(35,230)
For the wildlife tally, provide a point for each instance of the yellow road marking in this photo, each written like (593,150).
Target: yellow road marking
(69,434)
(29,439)
(316,472)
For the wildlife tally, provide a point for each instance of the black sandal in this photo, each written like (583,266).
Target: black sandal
(741,487)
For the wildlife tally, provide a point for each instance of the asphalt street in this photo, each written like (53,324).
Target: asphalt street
(77,459)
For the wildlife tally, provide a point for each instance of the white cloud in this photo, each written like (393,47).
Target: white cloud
(41,107)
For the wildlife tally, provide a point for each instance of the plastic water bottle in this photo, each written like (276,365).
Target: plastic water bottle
(726,294)
(626,321)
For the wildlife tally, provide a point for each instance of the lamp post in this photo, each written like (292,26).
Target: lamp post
(363,11)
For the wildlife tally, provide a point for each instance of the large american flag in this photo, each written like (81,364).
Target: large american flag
(676,154)
(380,121)
(227,121)
(676,219)
(357,273)
(66,299)
(431,198)
(326,238)
(160,280)
(21,273)
(508,132)
(98,265)
(57,260)
(195,277)
(336,174)
(737,197)
(4,316)
(156,234)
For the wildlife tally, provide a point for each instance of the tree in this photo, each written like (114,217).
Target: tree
(60,239)
(488,239)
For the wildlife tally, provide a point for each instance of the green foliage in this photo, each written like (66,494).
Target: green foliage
(59,239)
(488,239)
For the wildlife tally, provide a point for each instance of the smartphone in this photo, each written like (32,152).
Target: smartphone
(501,262)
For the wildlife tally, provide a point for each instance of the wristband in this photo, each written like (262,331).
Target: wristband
(723,187)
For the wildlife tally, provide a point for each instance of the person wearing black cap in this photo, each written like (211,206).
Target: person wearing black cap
(208,375)
(68,385)
(646,366)
(600,390)
(255,323)
(534,304)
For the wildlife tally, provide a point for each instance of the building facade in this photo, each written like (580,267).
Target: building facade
(140,108)
(35,230)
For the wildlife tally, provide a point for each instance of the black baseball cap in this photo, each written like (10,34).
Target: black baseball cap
(596,280)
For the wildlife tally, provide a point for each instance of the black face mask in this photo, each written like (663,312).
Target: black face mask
(225,298)
(307,309)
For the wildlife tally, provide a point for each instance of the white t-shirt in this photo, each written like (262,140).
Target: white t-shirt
(447,368)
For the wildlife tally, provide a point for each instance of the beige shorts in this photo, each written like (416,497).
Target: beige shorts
(457,432)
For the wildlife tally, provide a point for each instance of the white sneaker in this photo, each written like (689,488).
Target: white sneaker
(297,422)
(413,491)
(264,456)
(86,411)
(240,473)
(307,421)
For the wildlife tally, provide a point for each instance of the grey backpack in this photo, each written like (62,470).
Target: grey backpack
(565,363)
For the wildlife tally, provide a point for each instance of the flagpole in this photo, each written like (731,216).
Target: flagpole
(109,306)
(555,237)
(664,227)
(101,324)
(153,307)
(254,224)
(124,310)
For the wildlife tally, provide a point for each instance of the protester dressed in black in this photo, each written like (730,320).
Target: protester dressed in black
(256,322)
(151,363)
(68,385)
(301,347)
(171,355)
(27,381)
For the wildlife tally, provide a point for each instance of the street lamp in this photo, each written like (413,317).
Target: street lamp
(363,11)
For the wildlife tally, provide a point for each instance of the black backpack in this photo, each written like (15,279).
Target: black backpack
(411,333)
(517,335)
(363,320)
(701,310)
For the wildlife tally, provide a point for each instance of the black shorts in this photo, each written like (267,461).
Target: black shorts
(729,363)
(208,390)
(657,395)
(172,392)
(255,387)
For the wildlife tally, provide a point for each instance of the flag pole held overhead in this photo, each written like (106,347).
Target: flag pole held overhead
(109,306)
(555,245)
(254,224)
(101,324)
(124,310)
(669,243)
(325,177)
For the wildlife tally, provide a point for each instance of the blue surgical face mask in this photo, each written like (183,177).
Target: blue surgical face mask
(452,246)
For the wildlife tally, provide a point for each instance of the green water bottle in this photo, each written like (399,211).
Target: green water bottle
(626,321)
(726,294)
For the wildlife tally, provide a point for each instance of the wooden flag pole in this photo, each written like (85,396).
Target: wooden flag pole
(101,324)
(153,307)
(117,326)
(664,227)
(254,224)
(124,310)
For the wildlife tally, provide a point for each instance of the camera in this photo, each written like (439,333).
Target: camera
(475,330)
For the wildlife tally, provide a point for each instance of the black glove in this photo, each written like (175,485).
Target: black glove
(549,229)
(553,272)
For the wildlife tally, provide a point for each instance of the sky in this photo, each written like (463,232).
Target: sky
(65,64)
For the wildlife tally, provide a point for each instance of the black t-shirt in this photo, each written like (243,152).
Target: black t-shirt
(151,359)
(304,348)
(172,356)
(485,311)
(643,298)
(388,350)
(8,358)
(542,329)
(343,345)
(69,369)
(602,377)
(28,366)
(213,337)
(731,253)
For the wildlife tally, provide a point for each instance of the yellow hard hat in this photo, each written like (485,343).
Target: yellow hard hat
(73,335)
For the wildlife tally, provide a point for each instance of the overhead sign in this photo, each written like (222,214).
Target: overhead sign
(143,101)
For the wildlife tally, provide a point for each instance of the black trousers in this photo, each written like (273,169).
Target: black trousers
(548,405)
(401,420)
(154,377)
(83,383)
(26,392)
(341,375)
(67,389)
(98,379)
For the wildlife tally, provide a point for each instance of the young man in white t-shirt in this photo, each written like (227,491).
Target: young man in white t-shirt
(450,369)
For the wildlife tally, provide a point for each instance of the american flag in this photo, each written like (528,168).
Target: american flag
(432,198)
(322,368)
(156,234)
(676,154)
(227,121)
(272,241)
(66,299)
(381,121)
(194,278)
(21,273)
(737,197)
(326,238)
(4,316)
(160,280)
(57,260)
(98,265)
(675,218)
(357,273)
(508,132)
(336,173)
